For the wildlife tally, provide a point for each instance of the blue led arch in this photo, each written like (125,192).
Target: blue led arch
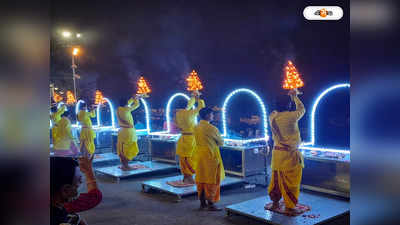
(77,111)
(112,115)
(263,109)
(167,111)
(310,145)
(77,106)
(60,104)
(147,112)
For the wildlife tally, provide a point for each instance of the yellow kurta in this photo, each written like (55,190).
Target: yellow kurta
(285,133)
(127,139)
(287,162)
(209,164)
(87,133)
(185,121)
(55,118)
(64,135)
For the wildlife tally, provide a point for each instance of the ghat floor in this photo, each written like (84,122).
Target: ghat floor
(124,204)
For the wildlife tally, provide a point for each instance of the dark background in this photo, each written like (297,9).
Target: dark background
(231,44)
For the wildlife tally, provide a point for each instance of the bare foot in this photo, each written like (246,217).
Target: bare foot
(274,206)
(188,180)
(191,182)
(127,168)
(292,212)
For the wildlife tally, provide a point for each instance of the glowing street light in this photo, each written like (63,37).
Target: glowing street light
(75,51)
(66,34)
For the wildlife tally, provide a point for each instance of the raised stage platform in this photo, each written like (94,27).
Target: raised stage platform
(179,192)
(152,167)
(105,159)
(323,209)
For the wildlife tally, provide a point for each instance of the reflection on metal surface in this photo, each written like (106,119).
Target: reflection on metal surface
(114,171)
(161,185)
(326,208)
(244,161)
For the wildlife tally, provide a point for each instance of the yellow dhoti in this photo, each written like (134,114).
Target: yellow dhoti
(87,137)
(127,143)
(87,133)
(54,133)
(286,184)
(186,164)
(185,150)
(287,167)
(287,162)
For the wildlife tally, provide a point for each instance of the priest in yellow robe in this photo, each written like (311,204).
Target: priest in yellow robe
(64,142)
(185,120)
(127,147)
(87,135)
(55,117)
(287,161)
(209,167)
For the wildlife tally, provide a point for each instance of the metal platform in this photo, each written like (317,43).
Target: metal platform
(327,208)
(153,167)
(105,159)
(179,192)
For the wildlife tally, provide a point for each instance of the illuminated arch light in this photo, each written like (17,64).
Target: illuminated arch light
(99,116)
(310,145)
(167,115)
(77,111)
(264,116)
(167,112)
(147,112)
(60,104)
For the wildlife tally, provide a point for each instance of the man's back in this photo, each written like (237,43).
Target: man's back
(209,159)
(207,135)
(284,125)
(185,120)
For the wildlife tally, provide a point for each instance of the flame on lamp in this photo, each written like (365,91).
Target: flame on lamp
(193,82)
(292,78)
(143,86)
(70,98)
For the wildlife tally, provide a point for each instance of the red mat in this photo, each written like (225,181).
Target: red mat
(300,207)
(179,183)
(98,156)
(65,153)
(136,166)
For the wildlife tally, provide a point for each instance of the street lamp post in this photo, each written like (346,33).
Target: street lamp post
(68,35)
(74,66)
(73,74)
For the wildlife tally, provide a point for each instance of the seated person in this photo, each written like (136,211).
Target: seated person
(65,179)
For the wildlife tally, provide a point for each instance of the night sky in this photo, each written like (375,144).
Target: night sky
(231,44)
